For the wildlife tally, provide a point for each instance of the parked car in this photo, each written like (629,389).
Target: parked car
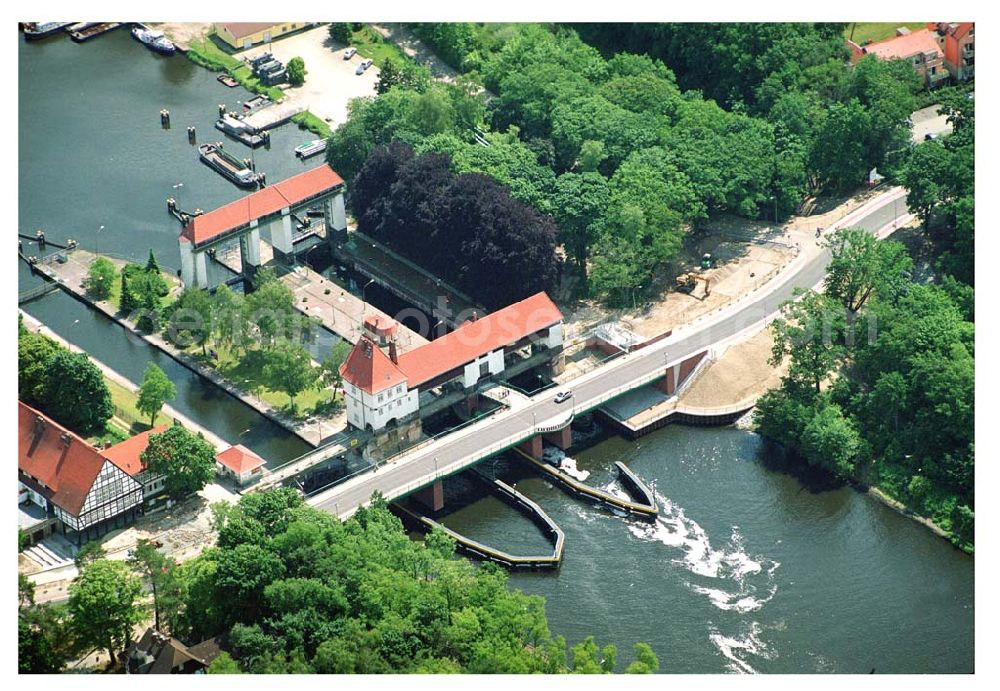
(349,53)
(364,65)
(563,396)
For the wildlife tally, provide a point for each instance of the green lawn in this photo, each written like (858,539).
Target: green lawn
(127,420)
(370,44)
(313,123)
(247,374)
(877,31)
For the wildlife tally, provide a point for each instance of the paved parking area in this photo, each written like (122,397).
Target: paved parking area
(330,80)
(926,121)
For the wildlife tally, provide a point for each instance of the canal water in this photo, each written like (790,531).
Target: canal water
(747,569)
(92,152)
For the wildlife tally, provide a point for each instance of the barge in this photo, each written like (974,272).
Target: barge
(227,166)
(227,80)
(88,30)
(239,130)
(310,148)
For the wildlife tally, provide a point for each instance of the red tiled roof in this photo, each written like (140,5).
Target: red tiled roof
(369,369)
(963,28)
(921,41)
(261,203)
(243,29)
(67,470)
(377,325)
(126,454)
(473,339)
(239,459)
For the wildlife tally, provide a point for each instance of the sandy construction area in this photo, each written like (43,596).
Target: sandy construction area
(741,373)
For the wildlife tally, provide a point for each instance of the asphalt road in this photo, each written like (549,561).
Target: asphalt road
(425,463)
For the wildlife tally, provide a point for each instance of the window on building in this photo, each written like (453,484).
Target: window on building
(484,368)
(933,70)
(380,398)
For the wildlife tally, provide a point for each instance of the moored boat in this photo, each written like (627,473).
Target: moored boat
(227,165)
(37,30)
(310,148)
(239,130)
(154,40)
(88,30)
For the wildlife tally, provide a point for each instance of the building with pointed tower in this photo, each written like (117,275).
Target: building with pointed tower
(383,387)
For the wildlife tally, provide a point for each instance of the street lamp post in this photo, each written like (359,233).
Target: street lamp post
(363,289)
(97,242)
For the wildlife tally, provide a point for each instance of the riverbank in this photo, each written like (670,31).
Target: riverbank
(71,275)
(905,510)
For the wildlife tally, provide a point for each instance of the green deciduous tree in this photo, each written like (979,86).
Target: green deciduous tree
(296,71)
(831,441)
(289,368)
(224,664)
(340,32)
(186,460)
(388,77)
(190,318)
(155,390)
(330,367)
(839,156)
(861,265)
(100,278)
(810,334)
(645,661)
(75,394)
(159,572)
(34,354)
(104,603)
(580,202)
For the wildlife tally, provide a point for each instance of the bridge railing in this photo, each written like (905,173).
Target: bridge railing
(501,445)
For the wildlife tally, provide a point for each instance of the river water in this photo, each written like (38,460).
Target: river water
(747,568)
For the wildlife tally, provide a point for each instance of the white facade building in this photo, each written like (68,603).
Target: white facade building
(384,388)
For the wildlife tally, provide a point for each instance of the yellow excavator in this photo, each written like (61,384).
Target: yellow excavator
(688,283)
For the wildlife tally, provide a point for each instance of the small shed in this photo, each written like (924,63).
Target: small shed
(239,463)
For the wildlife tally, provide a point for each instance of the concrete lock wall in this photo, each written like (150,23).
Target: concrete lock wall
(187,263)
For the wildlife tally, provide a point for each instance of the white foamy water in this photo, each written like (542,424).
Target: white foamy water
(558,458)
(737,648)
(614,490)
(568,466)
(740,582)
